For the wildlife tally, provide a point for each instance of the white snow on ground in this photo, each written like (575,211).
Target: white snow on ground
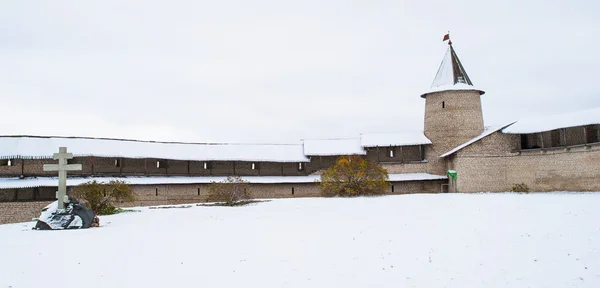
(444,240)
(552,122)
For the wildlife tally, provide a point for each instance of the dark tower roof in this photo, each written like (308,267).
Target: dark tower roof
(451,75)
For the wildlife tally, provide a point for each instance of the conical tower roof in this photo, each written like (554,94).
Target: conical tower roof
(451,75)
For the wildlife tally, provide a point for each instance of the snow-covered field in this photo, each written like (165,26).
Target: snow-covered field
(449,240)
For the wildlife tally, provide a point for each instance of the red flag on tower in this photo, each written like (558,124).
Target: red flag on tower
(446,37)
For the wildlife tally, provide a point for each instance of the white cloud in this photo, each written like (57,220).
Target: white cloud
(270,71)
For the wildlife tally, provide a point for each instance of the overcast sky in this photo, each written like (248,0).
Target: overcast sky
(281,71)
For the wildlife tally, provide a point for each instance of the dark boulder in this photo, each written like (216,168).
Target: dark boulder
(74,216)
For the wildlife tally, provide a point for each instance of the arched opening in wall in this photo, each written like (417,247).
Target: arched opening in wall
(117,162)
(443,104)
(156,191)
(6,162)
(198,191)
(292,190)
(392,188)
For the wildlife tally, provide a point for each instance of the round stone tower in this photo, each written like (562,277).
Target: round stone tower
(453,112)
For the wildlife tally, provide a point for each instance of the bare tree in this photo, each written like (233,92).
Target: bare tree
(229,191)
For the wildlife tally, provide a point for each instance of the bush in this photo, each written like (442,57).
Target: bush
(354,176)
(520,188)
(101,197)
(230,191)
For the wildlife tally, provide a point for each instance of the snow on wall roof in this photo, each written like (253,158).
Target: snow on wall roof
(13,183)
(393,139)
(552,122)
(44,147)
(488,131)
(333,147)
(451,75)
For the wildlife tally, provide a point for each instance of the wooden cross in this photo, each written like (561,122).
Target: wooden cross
(62,167)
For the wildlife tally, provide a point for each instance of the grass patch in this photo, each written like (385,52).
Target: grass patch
(234,204)
(170,207)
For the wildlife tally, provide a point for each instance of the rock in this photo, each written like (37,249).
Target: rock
(74,216)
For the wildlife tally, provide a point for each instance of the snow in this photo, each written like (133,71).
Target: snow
(444,79)
(44,147)
(76,223)
(438,240)
(445,74)
(455,87)
(552,122)
(11,183)
(486,132)
(333,147)
(393,139)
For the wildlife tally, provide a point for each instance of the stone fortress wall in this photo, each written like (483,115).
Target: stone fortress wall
(21,205)
(497,162)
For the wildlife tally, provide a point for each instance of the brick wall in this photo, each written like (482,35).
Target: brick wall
(494,164)
(400,154)
(171,194)
(14,169)
(459,121)
(14,212)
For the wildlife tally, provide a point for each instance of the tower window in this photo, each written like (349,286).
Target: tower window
(117,162)
(391,153)
(254,166)
(292,190)
(161,164)
(206,165)
(443,104)
(300,166)
(392,188)
(6,162)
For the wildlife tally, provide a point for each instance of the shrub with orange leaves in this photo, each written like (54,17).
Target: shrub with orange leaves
(354,176)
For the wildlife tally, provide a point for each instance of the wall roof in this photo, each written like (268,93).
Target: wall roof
(393,139)
(552,122)
(44,147)
(488,131)
(13,183)
(333,147)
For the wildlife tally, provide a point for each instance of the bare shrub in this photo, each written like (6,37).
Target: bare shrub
(101,197)
(229,191)
(522,187)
